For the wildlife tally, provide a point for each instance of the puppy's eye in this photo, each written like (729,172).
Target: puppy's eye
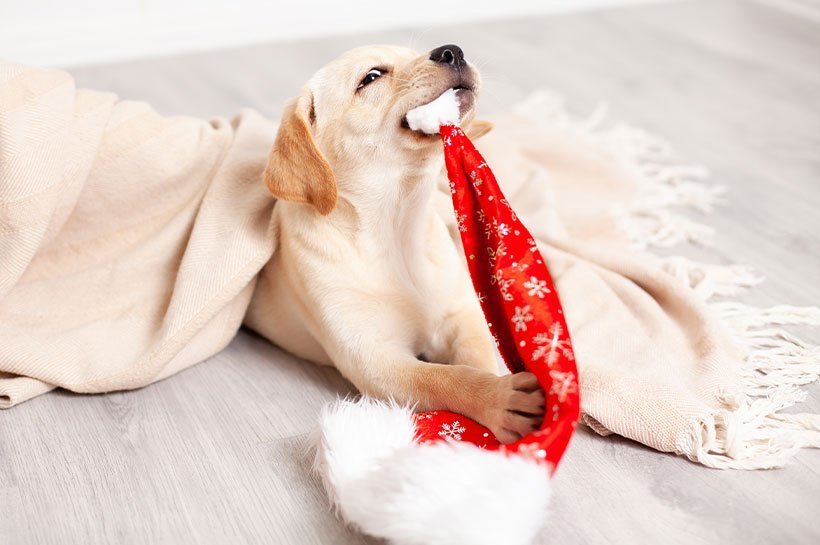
(370,77)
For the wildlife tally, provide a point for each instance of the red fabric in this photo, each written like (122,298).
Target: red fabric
(522,309)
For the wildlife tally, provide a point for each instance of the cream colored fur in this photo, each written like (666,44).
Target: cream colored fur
(375,285)
(132,244)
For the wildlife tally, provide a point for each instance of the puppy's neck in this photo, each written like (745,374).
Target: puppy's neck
(383,216)
(388,207)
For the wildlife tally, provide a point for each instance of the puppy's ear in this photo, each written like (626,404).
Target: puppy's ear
(478,128)
(297,171)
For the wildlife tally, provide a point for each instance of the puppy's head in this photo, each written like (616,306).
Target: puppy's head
(350,117)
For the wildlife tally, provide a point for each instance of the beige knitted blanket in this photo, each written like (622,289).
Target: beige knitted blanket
(130,244)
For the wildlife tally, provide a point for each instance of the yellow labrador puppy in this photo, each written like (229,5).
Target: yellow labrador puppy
(366,276)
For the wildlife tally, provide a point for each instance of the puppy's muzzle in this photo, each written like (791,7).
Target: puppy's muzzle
(451,71)
(451,57)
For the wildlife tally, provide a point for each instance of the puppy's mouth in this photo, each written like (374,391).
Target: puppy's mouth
(465,93)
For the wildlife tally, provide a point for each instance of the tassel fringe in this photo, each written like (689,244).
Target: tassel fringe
(663,183)
(750,432)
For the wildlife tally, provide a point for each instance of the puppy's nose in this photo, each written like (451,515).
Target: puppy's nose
(448,54)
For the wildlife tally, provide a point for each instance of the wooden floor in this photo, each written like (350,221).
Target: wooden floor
(215,454)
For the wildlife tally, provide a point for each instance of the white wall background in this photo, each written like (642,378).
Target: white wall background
(76,32)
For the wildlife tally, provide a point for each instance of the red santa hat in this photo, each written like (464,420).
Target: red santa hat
(439,477)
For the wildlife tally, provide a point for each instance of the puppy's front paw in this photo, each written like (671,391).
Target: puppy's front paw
(517,407)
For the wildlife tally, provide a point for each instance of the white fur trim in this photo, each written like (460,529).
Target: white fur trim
(429,117)
(388,486)
(353,435)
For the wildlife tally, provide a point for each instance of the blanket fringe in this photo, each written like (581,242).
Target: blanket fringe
(750,432)
(663,183)
(647,220)
(710,280)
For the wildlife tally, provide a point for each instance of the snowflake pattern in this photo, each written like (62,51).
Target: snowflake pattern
(563,383)
(462,218)
(452,431)
(536,287)
(521,316)
(489,228)
(503,285)
(551,345)
(494,254)
(520,266)
(514,288)
(532,451)
(506,203)
(535,452)
(477,181)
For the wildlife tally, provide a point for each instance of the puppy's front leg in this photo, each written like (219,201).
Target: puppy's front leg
(497,402)
(466,341)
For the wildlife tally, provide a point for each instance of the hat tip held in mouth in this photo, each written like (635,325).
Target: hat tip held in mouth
(427,118)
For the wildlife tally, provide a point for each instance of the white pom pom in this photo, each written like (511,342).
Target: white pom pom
(429,117)
(441,493)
